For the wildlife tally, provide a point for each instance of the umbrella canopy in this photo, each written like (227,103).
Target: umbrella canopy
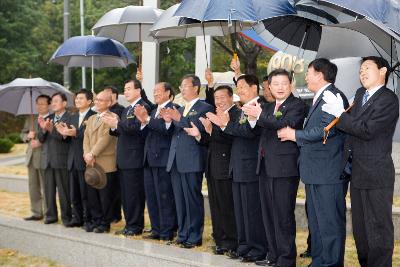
(128,24)
(169,27)
(384,11)
(93,52)
(18,97)
(252,36)
(291,34)
(364,37)
(249,11)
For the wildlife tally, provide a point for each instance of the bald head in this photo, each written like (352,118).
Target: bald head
(103,101)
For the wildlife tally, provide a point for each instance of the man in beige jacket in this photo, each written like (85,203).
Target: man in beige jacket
(99,147)
(33,158)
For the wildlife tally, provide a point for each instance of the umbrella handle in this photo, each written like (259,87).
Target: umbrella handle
(332,124)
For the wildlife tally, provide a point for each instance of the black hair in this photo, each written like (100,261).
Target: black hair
(113,89)
(195,81)
(48,98)
(381,63)
(327,68)
(250,79)
(265,78)
(168,87)
(224,87)
(279,72)
(62,95)
(88,94)
(136,83)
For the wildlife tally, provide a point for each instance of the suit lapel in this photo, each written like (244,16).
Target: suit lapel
(369,102)
(313,107)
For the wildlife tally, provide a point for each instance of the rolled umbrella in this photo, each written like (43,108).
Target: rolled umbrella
(94,52)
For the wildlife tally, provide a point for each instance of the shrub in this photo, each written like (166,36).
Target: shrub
(5,145)
(15,138)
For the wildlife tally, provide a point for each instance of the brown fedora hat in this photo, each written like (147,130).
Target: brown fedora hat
(95,176)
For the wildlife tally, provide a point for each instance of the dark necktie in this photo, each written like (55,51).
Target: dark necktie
(365,98)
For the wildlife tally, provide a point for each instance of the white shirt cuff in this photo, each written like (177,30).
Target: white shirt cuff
(167,125)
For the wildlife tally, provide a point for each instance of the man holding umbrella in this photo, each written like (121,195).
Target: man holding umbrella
(370,126)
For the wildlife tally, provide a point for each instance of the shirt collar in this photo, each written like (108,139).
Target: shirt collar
(59,115)
(163,104)
(319,92)
(135,102)
(83,114)
(227,110)
(192,102)
(44,116)
(253,100)
(373,90)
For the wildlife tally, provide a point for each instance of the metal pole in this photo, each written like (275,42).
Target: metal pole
(66,36)
(82,13)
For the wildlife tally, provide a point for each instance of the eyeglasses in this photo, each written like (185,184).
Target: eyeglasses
(185,86)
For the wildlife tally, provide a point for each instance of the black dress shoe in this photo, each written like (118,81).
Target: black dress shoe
(101,229)
(33,218)
(88,227)
(120,232)
(132,233)
(50,221)
(73,223)
(152,236)
(167,238)
(190,245)
(305,254)
(250,258)
(262,263)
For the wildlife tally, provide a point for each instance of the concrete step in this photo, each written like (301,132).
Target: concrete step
(74,247)
(14,160)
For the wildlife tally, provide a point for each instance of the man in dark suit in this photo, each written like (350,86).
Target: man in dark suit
(157,181)
(117,109)
(219,182)
(130,150)
(320,169)
(186,162)
(243,164)
(277,167)
(115,106)
(74,132)
(370,126)
(56,173)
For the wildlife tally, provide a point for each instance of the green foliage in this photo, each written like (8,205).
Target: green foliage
(5,145)
(15,138)
(10,124)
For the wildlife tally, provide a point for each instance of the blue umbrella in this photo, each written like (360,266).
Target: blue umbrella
(384,11)
(249,11)
(94,52)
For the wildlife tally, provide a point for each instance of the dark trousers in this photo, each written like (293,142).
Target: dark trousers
(249,224)
(189,205)
(160,201)
(278,201)
(117,209)
(373,225)
(79,198)
(222,212)
(100,202)
(326,208)
(133,201)
(56,180)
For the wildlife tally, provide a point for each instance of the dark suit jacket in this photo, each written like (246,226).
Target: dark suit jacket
(188,154)
(244,153)
(56,154)
(75,153)
(319,163)
(158,140)
(370,130)
(280,157)
(117,109)
(219,151)
(130,145)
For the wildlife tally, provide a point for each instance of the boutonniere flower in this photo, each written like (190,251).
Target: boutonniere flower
(278,114)
(130,117)
(192,113)
(243,120)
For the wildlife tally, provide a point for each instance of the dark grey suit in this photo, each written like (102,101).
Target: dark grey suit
(320,170)
(55,151)
(370,129)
